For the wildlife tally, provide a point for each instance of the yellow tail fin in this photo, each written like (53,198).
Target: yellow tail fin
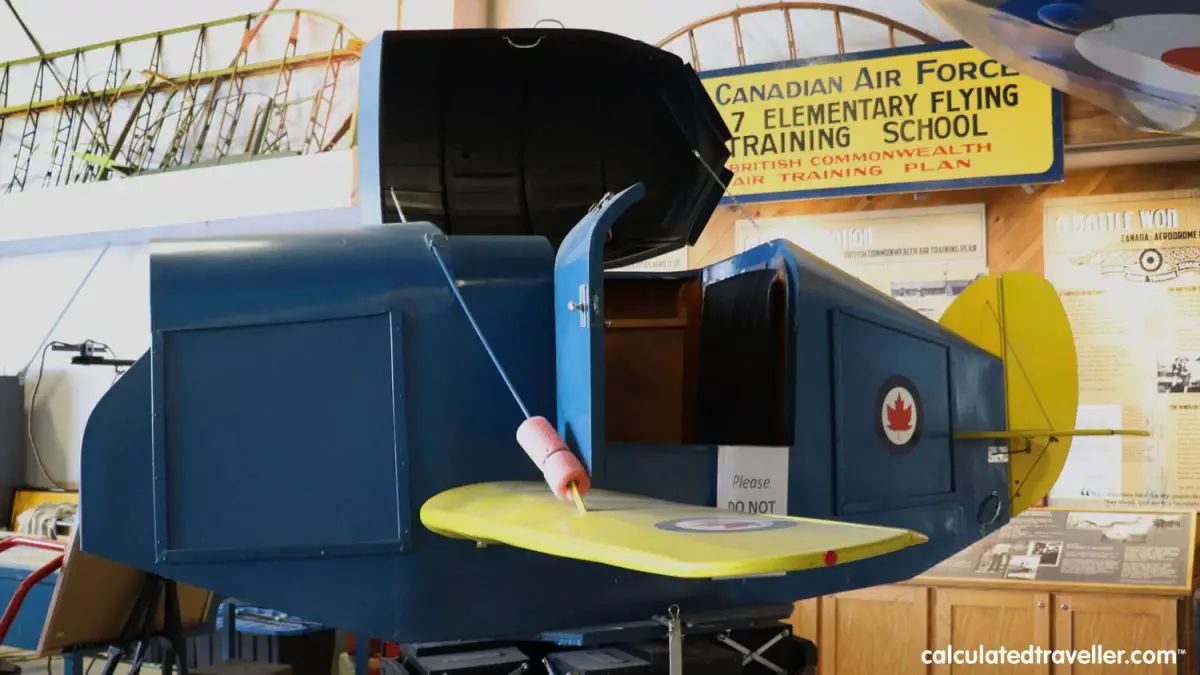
(1018,317)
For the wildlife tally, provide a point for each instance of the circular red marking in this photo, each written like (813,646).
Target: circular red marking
(1186,59)
(830,558)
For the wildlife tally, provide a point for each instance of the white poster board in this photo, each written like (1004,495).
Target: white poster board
(922,257)
(674,261)
(1127,268)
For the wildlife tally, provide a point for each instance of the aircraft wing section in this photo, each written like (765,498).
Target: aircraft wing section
(653,536)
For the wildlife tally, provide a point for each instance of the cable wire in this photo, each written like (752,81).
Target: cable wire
(68,305)
(37,454)
(478,332)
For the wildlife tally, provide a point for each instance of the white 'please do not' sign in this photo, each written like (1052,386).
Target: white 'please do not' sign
(753,479)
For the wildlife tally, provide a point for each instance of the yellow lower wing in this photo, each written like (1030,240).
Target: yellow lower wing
(653,536)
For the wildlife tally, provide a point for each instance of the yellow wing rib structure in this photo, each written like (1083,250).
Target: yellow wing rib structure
(1018,317)
(653,536)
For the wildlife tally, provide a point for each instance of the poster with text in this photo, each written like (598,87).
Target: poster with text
(672,261)
(1127,268)
(922,258)
(1127,547)
(920,118)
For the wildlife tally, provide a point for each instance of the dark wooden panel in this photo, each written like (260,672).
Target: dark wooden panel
(650,351)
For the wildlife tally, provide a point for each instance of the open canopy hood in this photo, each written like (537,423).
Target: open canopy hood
(520,132)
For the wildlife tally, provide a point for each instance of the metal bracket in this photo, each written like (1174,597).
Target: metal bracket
(432,240)
(603,200)
(756,655)
(674,640)
(999,508)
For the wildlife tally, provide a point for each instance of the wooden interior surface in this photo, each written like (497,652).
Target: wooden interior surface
(651,337)
(1014,217)
(94,597)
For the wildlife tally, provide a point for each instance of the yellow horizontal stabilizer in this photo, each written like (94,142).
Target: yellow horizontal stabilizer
(1018,317)
(1050,433)
(651,535)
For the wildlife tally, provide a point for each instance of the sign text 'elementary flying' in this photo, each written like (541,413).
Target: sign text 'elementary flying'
(798,126)
(942,114)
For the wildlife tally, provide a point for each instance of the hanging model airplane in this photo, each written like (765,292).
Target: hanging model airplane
(1139,60)
(339,425)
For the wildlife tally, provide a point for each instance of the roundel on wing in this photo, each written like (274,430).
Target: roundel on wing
(1139,60)
(898,414)
(1150,260)
(723,524)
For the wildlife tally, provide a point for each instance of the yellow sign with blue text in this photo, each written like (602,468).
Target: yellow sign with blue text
(932,117)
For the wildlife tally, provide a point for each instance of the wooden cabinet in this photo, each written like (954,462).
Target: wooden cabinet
(967,619)
(895,615)
(1119,623)
(886,629)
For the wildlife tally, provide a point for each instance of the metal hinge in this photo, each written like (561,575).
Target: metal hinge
(580,306)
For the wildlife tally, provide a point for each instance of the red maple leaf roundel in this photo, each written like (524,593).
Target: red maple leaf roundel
(899,415)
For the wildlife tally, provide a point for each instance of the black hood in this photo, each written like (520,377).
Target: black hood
(519,132)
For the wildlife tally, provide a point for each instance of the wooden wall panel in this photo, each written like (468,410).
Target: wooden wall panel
(1084,123)
(1014,216)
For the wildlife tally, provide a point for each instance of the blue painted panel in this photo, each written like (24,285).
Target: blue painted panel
(460,429)
(579,326)
(640,468)
(27,627)
(215,424)
(872,361)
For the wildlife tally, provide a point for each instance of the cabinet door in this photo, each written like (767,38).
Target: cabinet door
(967,620)
(1084,620)
(874,630)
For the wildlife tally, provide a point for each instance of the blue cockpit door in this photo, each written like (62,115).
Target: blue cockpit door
(579,326)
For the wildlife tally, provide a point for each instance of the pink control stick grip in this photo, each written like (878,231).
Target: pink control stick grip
(550,453)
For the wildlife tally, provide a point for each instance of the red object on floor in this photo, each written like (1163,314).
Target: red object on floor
(35,577)
(375,649)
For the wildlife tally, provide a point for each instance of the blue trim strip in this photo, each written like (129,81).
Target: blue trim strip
(210,555)
(158,450)
(400,432)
